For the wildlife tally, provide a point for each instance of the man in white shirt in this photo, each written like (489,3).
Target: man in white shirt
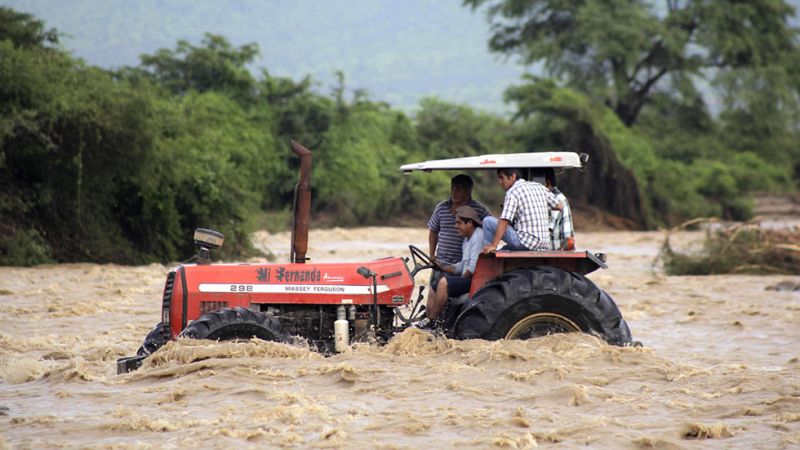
(523,224)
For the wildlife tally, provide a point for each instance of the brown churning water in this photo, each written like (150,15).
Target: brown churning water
(720,368)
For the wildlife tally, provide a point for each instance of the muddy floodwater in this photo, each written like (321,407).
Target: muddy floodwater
(720,367)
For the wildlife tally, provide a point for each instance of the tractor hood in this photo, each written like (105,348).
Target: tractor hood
(193,290)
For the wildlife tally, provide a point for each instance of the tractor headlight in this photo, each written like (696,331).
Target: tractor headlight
(209,239)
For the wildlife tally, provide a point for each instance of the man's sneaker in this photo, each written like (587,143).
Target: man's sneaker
(423,324)
(434,326)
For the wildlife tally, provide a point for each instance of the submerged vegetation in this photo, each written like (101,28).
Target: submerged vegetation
(120,166)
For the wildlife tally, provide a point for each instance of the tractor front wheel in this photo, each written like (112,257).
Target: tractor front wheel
(527,303)
(154,340)
(236,323)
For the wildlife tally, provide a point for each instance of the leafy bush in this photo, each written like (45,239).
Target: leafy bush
(448,130)
(709,188)
(675,196)
(117,173)
(634,150)
(211,167)
(356,174)
(24,248)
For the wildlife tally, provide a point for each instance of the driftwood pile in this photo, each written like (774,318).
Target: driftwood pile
(740,248)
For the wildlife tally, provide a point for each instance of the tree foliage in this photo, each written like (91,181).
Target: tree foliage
(71,140)
(657,66)
(620,160)
(215,65)
(24,30)
(94,168)
(448,130)
(121,166)
(623,52)
(679,170)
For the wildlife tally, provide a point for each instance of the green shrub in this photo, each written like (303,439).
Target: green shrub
(675,196)
(356,173)
(24,248)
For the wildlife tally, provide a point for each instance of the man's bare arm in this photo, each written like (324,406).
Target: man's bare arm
(433,239)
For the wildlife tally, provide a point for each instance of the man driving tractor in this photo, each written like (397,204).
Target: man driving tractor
(458,278)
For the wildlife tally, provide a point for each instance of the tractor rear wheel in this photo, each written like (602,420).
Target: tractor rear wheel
(236,323)
(526,303)
(153,341)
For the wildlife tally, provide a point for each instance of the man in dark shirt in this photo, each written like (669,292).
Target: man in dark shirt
(444,242)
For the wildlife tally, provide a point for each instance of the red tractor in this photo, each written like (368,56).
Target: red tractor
(514,295)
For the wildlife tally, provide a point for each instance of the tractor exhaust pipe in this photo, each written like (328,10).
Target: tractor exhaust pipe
(302,206)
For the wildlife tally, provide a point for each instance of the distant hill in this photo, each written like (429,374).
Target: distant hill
(398,51)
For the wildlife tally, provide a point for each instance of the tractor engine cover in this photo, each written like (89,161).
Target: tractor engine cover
(194,290)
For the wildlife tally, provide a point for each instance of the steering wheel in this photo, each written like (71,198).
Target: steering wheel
(427,262)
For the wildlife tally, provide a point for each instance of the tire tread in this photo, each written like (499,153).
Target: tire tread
(499,304)
(236,323)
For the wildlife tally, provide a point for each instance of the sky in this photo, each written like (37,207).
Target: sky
(398,51)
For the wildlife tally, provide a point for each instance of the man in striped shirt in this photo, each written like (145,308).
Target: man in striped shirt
(444,242)
(524,222)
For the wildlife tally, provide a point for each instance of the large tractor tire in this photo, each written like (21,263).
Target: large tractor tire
(526,303)
(153,341)
(236,323)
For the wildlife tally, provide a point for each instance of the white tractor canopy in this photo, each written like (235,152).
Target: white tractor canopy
(556,160)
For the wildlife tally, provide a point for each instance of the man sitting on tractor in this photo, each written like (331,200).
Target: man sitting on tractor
(523,224)
(443,241)
(458,278)
(562,233)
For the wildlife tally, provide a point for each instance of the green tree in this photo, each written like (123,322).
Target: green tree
(24,30)
(96,167)
(448,130)
(213,66)
(681,129)
(300,113)
(355,173)
(71,141)
(621,161)
(211,166)
(762,115)
(623,52)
